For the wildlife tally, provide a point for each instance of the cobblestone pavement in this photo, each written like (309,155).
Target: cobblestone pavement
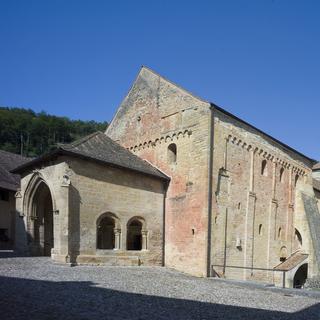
(36,288)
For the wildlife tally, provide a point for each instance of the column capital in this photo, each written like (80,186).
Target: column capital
(18,194)
(252,194)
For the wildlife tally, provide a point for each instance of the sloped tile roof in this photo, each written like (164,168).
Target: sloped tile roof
(316,184)
(316,166)
(295,259)
(100,148)
(8,161)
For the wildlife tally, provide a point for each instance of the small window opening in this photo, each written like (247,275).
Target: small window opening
(239,206)
(172,153)
(298,237)
(281,174)
(192,231)
(215,219)
(296,178)
(260,229)
(280,233)
(283,254)
(264,168)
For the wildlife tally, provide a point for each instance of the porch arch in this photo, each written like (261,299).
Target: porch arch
(300,276)
(39,207)
(30,191)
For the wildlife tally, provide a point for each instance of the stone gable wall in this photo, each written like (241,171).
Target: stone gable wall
(154,115)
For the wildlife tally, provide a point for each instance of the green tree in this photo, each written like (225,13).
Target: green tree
(31,134)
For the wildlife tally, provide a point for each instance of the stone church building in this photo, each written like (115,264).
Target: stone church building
(175,181)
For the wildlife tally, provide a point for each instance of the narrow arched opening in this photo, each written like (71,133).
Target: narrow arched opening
(172,153)
(281,178)
(300,276)
(283,253)
(296,179)
(41,220)
(264,171)
(297,239)
(105,233)
(134,235)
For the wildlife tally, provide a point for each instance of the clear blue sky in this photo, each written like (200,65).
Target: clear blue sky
(258,59)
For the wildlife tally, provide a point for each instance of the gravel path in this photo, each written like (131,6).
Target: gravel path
(36,288)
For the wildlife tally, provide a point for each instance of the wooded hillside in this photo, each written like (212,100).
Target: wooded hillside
(26,132)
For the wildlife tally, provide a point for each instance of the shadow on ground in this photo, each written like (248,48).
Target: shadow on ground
(13,254)
(35,299)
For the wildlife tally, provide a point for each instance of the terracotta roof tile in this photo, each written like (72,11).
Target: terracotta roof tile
(295,259)
(316,166)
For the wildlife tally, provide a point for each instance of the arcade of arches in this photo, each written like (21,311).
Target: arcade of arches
(109,234)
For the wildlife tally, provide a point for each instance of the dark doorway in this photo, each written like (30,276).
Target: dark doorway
(42,216)
(301,276)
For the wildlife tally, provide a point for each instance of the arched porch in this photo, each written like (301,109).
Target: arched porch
(40,219)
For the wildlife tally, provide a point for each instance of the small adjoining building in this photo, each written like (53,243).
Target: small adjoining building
(9,184)
(92,201)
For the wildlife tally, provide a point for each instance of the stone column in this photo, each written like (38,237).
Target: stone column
(117,239)
(274,179)
(61,222)
(20,241)
(271,234)
(290,213)
(144,234)
(272,217)
(250,220)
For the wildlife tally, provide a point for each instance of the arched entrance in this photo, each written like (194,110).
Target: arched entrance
(41,221)
(300,276)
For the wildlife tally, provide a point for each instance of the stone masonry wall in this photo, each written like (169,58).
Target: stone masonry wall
(96,190)
(154,115)
(253,213)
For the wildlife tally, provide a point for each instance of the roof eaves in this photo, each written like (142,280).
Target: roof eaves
(61,151)
(161,175)
(213,105)
(35,161)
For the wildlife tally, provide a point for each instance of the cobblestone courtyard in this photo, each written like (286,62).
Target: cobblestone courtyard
(35,288)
